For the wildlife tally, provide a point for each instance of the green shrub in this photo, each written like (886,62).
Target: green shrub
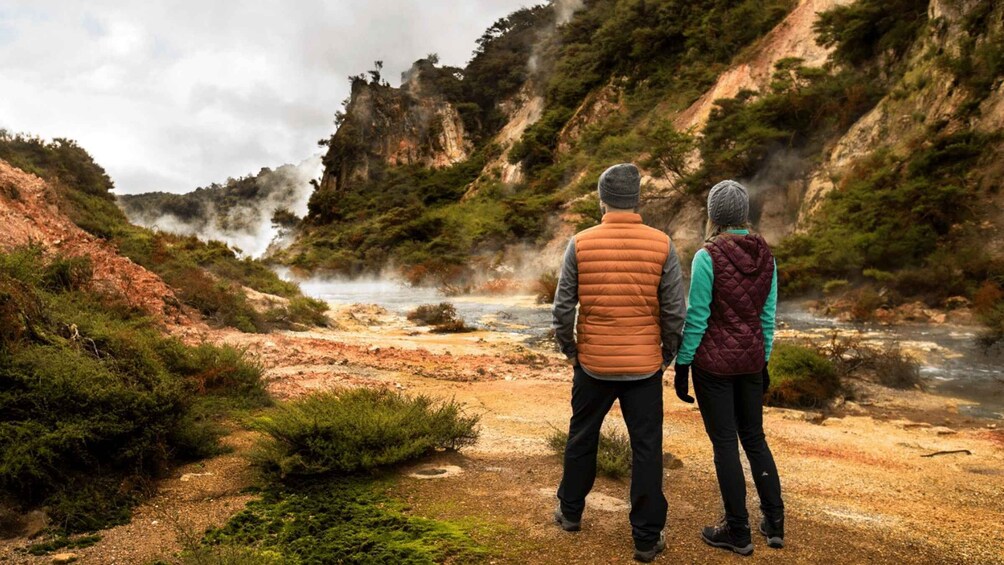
(613,458)
(67,273)
(91,393)
(348,521)
(834,286)
(869,29)
(442,317)
(63,542)
(307,311)
(358,430)
(800,377)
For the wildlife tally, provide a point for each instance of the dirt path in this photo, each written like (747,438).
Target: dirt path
(857,488)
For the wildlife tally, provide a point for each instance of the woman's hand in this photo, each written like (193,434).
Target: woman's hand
(682,384)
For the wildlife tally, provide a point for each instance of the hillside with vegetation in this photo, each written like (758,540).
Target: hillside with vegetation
(869,133)
(207,277)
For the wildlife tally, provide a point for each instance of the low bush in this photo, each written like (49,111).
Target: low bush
(895,369)
(613,458)
(800,377)
(332,521)
(307,310)
(887,365)
(91,394)
(442,317)
(358,431)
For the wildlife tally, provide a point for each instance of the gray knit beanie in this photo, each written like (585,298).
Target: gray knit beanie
(729,204)
(620,186)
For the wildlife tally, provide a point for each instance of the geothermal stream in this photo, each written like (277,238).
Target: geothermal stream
(952,363)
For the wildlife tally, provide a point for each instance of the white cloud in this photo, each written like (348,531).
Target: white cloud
(174,94)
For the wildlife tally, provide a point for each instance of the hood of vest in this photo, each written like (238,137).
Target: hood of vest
(748,253)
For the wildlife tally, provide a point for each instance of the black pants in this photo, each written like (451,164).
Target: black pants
(641,404)
(732,407)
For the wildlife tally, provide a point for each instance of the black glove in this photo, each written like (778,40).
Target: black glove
(682,384)
(766,379)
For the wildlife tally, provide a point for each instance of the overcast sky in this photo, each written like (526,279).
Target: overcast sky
(175,94)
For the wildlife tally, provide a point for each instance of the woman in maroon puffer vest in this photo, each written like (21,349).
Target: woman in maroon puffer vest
(728,337)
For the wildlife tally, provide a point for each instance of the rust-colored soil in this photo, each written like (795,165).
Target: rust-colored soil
(29,215)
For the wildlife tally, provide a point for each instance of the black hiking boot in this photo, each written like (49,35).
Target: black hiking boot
(773,530)
(565,523)
(648,555)
(726,537)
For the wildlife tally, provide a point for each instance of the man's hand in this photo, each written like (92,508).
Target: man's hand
(766,379)
(682,383)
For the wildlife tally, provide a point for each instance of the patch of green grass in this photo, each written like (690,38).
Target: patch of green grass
(333,521)
(358,430)
(613,458)
(800,377)
(63,542)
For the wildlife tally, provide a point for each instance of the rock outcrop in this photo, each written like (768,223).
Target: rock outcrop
(383,125)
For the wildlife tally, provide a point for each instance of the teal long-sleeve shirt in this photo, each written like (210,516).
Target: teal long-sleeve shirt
(702,279)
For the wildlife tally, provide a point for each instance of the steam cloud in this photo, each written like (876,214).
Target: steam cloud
(563,12)
(245,225)
(565,9)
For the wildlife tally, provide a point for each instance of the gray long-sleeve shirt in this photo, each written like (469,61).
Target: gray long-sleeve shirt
(672,307)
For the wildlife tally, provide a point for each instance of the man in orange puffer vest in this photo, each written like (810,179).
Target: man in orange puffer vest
(625,278)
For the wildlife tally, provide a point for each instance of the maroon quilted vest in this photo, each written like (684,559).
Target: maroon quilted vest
(733,343)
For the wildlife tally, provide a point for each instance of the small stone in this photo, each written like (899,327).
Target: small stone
(943,431)
(674,464)
(64,557)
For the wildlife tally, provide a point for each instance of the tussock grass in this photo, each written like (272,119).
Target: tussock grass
(613,459)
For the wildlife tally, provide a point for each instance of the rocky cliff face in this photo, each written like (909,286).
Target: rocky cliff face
(383,125)
(928,95)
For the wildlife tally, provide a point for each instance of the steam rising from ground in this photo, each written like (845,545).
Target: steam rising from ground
(563,12)
(238,213)
(564,9)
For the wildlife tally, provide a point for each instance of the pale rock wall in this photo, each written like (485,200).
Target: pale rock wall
(523,110)
(396,126)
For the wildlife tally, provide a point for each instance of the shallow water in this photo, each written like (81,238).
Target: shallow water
(953,364)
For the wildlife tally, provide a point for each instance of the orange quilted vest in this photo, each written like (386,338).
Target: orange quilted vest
(620,265)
